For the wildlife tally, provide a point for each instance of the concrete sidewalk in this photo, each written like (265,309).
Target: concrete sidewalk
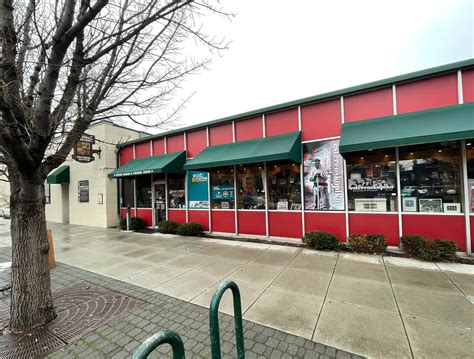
(370,305)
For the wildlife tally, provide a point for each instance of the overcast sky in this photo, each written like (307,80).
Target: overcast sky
(285,50)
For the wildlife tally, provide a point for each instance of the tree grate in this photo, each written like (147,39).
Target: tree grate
(81,309)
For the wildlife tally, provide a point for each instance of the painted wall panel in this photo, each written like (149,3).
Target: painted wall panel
(196,142)
(334,223)
(223,221)
(436,226)
(201,217)
(142,149)
(321,120)
(249,129)
(468,85)
(175,143)
(126,154)
(251,222)
(158,147)
(367,105)
(285,224)
(219,135)
(386,224)
(428,93)
(177,215)
(278,123)
(146,215)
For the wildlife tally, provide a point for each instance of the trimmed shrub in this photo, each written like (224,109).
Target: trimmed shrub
(189,229)
(136,223)
(168,227)
(368,243)
(425,249)
(321,240)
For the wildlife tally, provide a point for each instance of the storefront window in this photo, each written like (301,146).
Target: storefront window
(126,196)
(284,186)
(430,178)
(176,193)
(251,192)
(323,176)
(222,188)
(371,181)
(470,172)
(144,191)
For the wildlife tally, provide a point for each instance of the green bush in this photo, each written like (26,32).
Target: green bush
(168,227)
(368,243)
(136,223)
(321,240)
(189,229)
(429,250)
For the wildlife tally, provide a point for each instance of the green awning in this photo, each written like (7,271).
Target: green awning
(441,124)
(273,148)
(59,175)
(169,163)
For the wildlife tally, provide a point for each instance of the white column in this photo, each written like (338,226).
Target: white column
(186,195)
(460,92)
(265,186)
(394,99)
(399,193)
(264,126)
(466,198)
(235,201)
(303,225)
(209,198)
(346,198)
(166,194)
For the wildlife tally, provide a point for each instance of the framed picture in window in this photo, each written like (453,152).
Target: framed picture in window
(282,206)
(296,207)
(452,207)
(225,205)
(409,204)
(431,205)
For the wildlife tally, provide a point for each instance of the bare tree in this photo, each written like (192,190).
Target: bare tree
(65,64)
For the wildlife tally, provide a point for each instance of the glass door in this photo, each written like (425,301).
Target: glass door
(159,202)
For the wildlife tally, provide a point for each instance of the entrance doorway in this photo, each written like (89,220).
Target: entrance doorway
(159,202)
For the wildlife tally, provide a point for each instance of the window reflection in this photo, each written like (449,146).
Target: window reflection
(251,193)
(284,186)
(222,188)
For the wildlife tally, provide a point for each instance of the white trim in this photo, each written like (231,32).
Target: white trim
(460,90)
(264,124)
(399,193)
(466,197)
(321,211)
(135,195)
(322,139)
(364,212)
(152,186)
(198,209)
(233,131)
(431,214)
(176,209)
(186,141)
(186,195)
(303,224)
(235,193)
(251,210)
(134,151)
(265,187)
(394,99)
(165,143)
(299,118)
(343,117)
(151,147)
(166,194)
(207,136)
(223,209)
(209,198)
(283,211)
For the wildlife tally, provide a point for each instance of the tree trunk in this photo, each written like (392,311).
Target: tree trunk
(31,301)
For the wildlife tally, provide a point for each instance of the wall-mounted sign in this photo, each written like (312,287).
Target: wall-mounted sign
(84,149)
(222,192)
(198,190)
(83,191)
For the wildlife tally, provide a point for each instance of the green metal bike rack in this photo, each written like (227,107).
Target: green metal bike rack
(214,320)
(165,336)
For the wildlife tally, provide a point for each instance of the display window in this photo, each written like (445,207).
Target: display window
(222,188)
(284,186)
(430,178)
(470,172)
(127,193)
(250,186)
(176,191)
(372,181)
(143,191)
(323,176)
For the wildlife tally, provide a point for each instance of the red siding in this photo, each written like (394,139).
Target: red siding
(123,212)
(220,134)
(223,221)
(175,143)
(146,215)
(201,217)
(142,150)
(321,120)
(158,147)
(442,227)
(126,154)
(386,224)
(373,104)
(285,224)
(249,129)
(334,223)
(468,85)
(177,215)
(251,222)
(196,142)
(278,123)
(429,93)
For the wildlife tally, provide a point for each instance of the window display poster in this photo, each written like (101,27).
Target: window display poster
(83,191)
(323,176)
(222,192)
(198,186)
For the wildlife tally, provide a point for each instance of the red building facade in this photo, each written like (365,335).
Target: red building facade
(397,186)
